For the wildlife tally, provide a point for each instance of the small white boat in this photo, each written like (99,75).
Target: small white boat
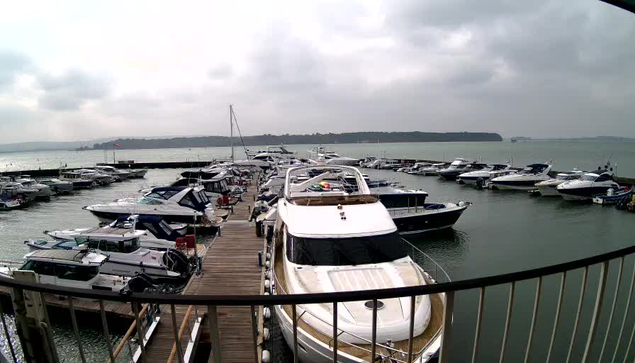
(547,188)
(69,268)
(484,174)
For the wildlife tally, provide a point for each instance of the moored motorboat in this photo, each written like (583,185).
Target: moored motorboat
(174,204)
(432,170)
(69,268)
(614,196)
(59,187)
(547,188)
(360,250)
(79,181)
(458,166)
(153,232)
(483,175)
(589,185)
(125,256)
(525,179)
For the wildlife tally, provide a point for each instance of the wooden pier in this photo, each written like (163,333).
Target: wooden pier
(230,267)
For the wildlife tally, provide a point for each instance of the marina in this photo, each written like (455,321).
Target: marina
(230,260)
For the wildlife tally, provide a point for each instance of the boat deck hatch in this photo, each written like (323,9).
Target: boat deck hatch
(369,304)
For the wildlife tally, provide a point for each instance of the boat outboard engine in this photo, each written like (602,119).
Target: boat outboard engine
(177,261)
(139,283)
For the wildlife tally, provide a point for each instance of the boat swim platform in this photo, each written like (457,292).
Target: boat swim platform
(229,267)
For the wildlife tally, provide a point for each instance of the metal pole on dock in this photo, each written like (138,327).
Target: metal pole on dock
(231,129)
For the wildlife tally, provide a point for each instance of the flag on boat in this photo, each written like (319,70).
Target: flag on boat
(117,145)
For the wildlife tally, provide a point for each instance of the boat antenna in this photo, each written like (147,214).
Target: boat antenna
(239,133)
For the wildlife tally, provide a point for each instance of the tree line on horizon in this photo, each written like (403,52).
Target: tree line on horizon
(317,138)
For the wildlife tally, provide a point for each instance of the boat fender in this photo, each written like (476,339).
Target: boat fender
(267,284)
(267,264)
(268,256)
(266,356)
(266,312)
(266,334)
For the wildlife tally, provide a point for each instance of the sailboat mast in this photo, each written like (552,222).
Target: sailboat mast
(231,130)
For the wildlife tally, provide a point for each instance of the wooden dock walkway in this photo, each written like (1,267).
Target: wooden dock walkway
(230,267)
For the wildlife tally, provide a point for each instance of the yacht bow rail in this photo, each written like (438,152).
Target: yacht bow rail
(620,325)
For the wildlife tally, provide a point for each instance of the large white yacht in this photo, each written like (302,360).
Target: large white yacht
(588,186)
(173,204)
(360,250)
(525,179)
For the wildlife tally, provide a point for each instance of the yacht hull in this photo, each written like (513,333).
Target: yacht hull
(410,221)
(473,179)
(515,184)
(312,350)
(450,175)
(581,194)
(109,216)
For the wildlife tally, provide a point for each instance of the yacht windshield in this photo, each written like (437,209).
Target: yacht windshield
(345,251)
(589,177)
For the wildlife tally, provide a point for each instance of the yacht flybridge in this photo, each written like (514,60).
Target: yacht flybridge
(361,249)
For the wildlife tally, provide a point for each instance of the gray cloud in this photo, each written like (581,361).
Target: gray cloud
(535,68)
(11,65)
(221,71)
(72,89)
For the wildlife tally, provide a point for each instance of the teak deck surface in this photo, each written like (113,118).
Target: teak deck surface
(230,267)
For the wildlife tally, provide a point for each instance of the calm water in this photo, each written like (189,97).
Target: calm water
(501,232)
(565,155)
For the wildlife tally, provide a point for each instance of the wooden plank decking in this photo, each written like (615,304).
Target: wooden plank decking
(230,267)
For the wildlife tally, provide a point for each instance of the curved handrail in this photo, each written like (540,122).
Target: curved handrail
(247,300)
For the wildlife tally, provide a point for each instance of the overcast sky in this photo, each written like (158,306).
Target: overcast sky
(76,70)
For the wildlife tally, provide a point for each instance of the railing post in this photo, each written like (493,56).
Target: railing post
(212,316)
(556,320)
(373,348)
(508,320)
(579,313)
(76,329)
(626,309)
(294,322)
(446,338)
(615,296)
(140,332)
(335,332)
(254,333)
(104,324)
(411,332)
(597,310)
(175,331)
(534,316)
(479,318)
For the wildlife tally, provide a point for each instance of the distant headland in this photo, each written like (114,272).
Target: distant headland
(317,138)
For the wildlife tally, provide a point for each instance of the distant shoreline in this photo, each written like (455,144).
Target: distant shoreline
(307,139)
